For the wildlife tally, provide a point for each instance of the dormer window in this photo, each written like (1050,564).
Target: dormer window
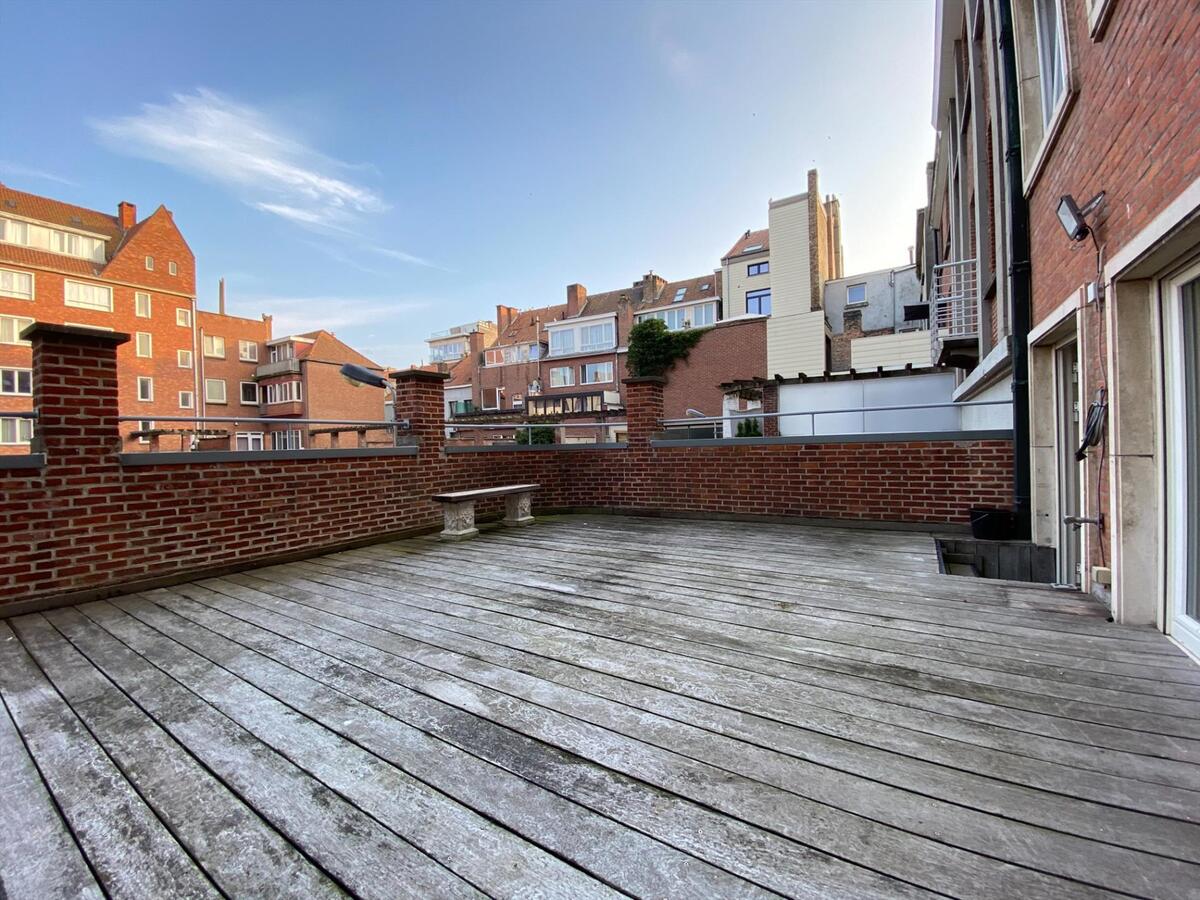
(752,248)
(149,263)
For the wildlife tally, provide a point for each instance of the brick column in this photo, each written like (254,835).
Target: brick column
(643,408)
(420,398)
(770,404)
(75,392)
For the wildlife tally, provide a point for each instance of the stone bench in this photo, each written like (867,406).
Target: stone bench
(458,508)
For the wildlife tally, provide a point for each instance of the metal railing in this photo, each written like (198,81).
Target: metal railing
(247,433)
(513,433)
(954,304)
(880,419)
(479,325)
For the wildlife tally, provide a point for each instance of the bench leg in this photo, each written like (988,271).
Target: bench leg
(517,510)
(458,521)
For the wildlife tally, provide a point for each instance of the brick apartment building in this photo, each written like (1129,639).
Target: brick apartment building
(1068,179)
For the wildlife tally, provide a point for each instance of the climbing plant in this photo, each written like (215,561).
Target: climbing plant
(653,350)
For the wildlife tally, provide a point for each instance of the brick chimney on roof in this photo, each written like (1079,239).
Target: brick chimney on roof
(126,215)
(652,286)
(576,298)
(504,317)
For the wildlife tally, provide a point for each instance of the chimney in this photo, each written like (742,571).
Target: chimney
(504,317)
(126,215)
(576,297)
(221,296)
(652,286)
(268,320)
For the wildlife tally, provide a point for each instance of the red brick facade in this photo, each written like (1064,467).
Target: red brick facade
(86,521)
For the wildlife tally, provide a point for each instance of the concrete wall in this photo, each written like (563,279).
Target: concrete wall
(887,290)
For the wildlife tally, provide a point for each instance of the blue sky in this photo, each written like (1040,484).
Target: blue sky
(389,169)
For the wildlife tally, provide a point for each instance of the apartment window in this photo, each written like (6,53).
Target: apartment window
(758,268)
(144,425)
(684,317)
(518,402)
(444,352)
(287,440)
(1052,56)
(595,373)
(172,268)
(284,392)
(40,237)
(247,351)
(187,400)
(507,356)
(856,293)
(145,388)
(17,382)
(490,398)
(183,358)
(88,296)
(144,344)
(1043,72)
(562,376)
(249,393)
(141,305)
(16,284)
(11,328)
(183,317)
(214,390)
(679,294)
(562,341)
(249,440)
(280,352)
(214,346)
(16,431)
(149,263)
(759,302)
(600,336)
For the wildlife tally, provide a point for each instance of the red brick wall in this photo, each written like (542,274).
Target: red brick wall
(730,351)
(86,522)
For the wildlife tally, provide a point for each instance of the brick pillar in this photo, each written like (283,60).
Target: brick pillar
(75,392)
(420,398)
(643,408)
(770,404)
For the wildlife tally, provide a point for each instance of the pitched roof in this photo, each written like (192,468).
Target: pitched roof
(462,371)
(55,212)
(327,348)
(760,238)
(699,288)
(526,324)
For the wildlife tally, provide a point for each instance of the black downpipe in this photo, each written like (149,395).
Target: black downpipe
(1020,288)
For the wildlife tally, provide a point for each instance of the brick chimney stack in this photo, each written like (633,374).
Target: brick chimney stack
(504,317)
(576,298)
(221,296)
(652,286)
(126,215)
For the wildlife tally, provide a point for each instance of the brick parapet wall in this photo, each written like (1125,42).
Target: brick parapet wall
(86,523)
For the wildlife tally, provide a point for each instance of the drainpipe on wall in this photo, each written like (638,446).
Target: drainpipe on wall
(1019,271)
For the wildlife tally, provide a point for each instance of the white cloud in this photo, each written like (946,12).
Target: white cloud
(295,315)
(11,168)
(405,257)
(238,146)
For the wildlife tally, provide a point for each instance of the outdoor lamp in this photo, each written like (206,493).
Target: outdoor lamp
(359,375)
(1072,217)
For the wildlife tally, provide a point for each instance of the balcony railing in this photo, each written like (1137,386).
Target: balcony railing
(954,305)
(282,367)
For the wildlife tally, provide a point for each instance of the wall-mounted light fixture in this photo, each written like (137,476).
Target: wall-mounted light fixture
(1073,217)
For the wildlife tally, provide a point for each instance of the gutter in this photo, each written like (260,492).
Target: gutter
(1019,272)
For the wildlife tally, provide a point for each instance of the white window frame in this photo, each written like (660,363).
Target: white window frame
(180,356)
(172,267)
(583,379)
(252,355)
(208,394)
(251,438)
(19,425)
(68,283)
(562,341)
(190,400)
(276,393)
(290,437)
(211,340)
(138,298)
(148,382)
(17,327)
(12,293)
(242,393)
(145,425)
(608,343)
(17,371)
(148,338)
(183,317)
(495,392)
(570,376)
(149,263)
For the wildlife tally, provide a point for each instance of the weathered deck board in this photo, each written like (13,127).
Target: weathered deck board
(601,705)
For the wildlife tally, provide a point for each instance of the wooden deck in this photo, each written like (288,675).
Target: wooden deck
(599,706)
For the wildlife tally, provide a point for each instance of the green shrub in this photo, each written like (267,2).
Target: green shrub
(749,428)
(653,350)
(541,435)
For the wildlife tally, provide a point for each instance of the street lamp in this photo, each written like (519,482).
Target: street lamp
(357,375)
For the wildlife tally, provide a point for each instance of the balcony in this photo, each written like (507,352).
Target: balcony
(954,314)
(282,367)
